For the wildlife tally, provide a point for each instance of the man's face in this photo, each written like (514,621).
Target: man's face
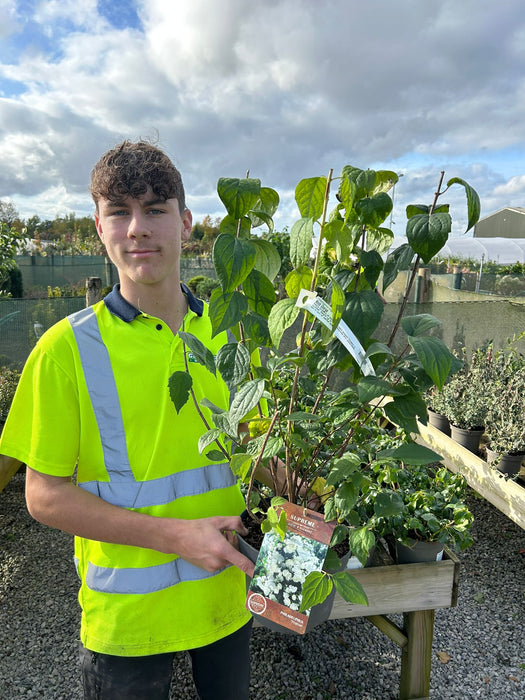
(143,238)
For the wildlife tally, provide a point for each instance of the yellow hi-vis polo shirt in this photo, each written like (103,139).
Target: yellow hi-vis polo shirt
(106,409)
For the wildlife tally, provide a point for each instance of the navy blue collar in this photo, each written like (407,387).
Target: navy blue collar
(118,306)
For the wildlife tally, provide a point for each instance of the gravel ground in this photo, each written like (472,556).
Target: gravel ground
(478,646)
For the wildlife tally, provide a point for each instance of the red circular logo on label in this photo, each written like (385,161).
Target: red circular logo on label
(256,603)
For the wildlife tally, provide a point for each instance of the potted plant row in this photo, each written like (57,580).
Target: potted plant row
(486,398)
(318,401)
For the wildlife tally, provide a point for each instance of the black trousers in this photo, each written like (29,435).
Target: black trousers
(221,671)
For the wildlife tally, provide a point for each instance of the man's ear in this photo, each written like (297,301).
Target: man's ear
(99,226)
(187,221)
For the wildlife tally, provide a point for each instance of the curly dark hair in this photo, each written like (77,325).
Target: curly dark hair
(129,169)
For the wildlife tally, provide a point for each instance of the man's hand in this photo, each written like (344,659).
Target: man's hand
(206,542)
(209,543)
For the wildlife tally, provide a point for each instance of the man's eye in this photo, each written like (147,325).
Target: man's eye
(118,212)
(156,211)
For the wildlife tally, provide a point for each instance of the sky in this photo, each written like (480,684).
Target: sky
(282,89)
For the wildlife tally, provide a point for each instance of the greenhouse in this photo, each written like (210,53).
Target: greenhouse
(500,250)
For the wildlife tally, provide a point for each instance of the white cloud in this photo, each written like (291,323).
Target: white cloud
(8,14)
(284,88)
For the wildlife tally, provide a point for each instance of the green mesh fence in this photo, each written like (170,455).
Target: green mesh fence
(22,322)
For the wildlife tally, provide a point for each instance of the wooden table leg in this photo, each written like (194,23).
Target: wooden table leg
(416,655)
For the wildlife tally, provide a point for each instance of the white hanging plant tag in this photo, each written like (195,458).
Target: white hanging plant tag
(322,311)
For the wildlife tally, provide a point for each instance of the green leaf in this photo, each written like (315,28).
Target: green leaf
(226,310)
(363,313)
(240,465)
(419,324)
(364,180)
(281,317)
(415,209)
(268,201)
(340,237)
(302,415)
(428,233)
(272,448)
(224,423)
(309,195)
(256,329)
(412,453)
(399,259)
(317,586)
(233,362)
(260,293)
(372,211)
(233,259)
(236,227)
(297,280)
(330,511)
(341,469)
(179,385)
(215,456)
(337,302)
(473,203)
(434,355)
(346,497)
(346,192)
(403,411)
(370,388)
(372,263)
(259,217)
(361,541)
(245,399)
(388,504)
(211,406)
(267,258)
(238,196)
(332,561)
(199,351)
(301,242)
(378,349)
(349,588)
(379,240)
(385,180)
(207,439)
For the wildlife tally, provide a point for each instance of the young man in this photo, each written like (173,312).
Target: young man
(110,460)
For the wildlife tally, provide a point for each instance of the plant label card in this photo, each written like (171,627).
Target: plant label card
(275,591)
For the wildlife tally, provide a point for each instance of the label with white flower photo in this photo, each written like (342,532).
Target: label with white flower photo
(275,591)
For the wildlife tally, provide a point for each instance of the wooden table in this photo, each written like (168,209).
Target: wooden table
(416,590)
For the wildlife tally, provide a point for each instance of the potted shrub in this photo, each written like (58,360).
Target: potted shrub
(463,399)
(411,502)
(505,423)
(436,409)
(313,402)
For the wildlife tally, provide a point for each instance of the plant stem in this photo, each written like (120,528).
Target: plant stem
(198,409)
(257,463)
(437,194)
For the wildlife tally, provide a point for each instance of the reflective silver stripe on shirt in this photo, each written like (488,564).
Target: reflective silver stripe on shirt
(141,494)
(145,580)
(122,489)
(102,390)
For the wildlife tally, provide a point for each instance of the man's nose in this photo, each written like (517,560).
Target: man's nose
(138,226)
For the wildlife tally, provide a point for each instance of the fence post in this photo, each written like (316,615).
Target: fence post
(93,290)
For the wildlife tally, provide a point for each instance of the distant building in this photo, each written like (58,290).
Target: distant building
(505,223)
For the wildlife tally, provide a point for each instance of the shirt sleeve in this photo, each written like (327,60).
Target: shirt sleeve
(42,427)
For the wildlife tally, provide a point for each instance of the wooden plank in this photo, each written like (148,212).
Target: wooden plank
(402,588)
(387,627)
(8,468)
(416,655)
(505,494)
